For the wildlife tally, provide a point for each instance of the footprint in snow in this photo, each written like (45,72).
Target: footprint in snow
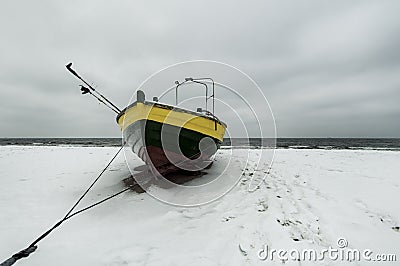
(384,218)
(226,219)
(262,206)
(284,222)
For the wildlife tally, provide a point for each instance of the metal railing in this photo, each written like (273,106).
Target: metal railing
(199,81)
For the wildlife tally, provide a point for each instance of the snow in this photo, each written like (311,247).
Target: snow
(309,199)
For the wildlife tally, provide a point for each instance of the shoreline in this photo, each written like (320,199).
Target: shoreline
(222,147)
(384,144)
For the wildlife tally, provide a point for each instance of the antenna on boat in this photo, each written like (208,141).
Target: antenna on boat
(92,91)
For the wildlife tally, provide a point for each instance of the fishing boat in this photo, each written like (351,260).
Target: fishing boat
(169,138)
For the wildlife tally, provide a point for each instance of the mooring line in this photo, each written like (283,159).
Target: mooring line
(33,246)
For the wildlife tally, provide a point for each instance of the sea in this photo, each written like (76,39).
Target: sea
(392,144)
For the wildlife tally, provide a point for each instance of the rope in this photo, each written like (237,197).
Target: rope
(33,246)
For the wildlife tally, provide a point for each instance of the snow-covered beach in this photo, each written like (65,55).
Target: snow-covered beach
(309,200)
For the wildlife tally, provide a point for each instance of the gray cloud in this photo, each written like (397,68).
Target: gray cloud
(328,68)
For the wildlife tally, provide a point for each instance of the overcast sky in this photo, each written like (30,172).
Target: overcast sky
(327,68)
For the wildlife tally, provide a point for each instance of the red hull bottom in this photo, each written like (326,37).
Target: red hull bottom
(160,164)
